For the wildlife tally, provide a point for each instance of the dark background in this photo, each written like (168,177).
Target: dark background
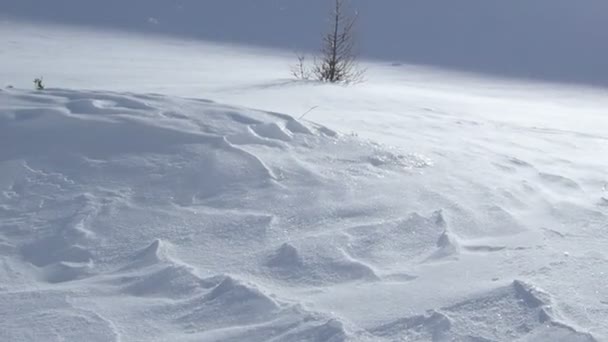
(555,40)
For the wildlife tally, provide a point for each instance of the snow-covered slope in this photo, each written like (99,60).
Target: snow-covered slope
(559,40)
(435,207)
(164,212)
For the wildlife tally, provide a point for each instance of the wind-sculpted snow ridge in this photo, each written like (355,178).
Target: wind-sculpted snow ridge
(50,316)
(126,215)
(218,307)
(318,266)
(517,312)
(415,239)
(129,217)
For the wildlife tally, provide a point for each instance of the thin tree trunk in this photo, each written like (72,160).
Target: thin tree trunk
(334,51)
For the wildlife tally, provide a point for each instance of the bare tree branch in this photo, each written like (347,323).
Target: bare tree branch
(337,62)
(300,71)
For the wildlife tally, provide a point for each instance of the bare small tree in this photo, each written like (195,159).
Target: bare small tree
(338,59)
(300,70)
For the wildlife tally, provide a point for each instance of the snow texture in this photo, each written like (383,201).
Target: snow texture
(421,205)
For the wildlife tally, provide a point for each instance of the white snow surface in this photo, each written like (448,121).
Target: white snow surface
(143,199)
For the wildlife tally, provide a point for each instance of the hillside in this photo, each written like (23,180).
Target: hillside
(553,40)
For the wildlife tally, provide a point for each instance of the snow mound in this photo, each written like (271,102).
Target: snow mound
(51,317)
(171,281)
(185,219)
(518,312)
(112,134)
(234,310)
(296,126)
(330,331)
(173,213)
(286,257)
(316,264)
(63,254)
(272,131)
(446,246)
(66,271)
(153,272)
(234,295)
(415,239)
(229,303)
(155,253)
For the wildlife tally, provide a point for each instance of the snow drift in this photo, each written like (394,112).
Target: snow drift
(127,215)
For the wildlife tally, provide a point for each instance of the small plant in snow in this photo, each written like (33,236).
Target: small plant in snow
(338,60)
(308,111)
(38,83)
(300,71)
